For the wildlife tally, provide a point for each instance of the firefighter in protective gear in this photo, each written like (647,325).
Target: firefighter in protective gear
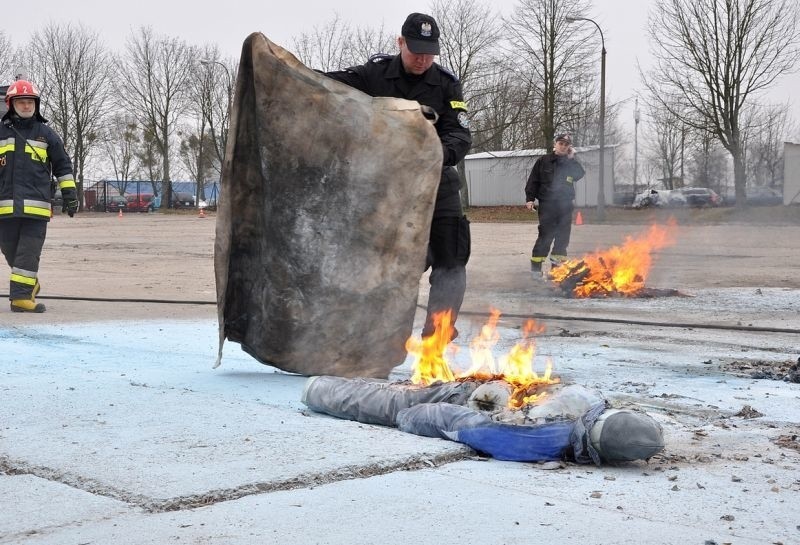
(31,154)
(413,75)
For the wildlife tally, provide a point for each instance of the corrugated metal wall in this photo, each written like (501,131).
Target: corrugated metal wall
(498,178)
(791,173)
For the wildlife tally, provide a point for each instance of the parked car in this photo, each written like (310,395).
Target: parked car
(140,203)
(182,200)
(116,203)
(658,198)
(701,196)
(58,201)
(763,196)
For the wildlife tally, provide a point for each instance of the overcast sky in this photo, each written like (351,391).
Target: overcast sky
(228,23)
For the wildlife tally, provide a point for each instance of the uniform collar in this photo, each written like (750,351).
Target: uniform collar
(395,70)
(17,121)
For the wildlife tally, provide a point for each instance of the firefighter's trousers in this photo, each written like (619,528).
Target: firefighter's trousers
(21,241)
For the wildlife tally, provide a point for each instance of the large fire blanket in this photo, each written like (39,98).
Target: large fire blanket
(326,201)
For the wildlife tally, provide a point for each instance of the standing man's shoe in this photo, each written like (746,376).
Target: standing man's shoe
(536,267)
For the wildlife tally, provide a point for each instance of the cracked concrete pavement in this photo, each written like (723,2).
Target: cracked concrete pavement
(114,428)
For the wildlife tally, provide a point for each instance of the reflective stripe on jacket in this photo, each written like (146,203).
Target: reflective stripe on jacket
(26,160)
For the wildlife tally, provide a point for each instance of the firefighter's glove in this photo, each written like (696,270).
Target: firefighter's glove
(69,201)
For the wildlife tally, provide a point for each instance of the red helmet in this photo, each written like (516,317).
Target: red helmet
(21,89)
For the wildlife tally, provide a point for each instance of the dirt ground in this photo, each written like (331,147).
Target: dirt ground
(130,262)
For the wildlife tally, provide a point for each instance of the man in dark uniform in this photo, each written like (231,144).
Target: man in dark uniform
(413,75)
(552,184)
(30,153)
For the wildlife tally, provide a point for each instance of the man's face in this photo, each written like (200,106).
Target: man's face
(414,63)
(561,147)
(25,107)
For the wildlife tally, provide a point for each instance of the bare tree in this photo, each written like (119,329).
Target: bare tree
(469,34)
(325,48)
(664,145)
(194,152)
(156,85)
(714,58)
(366,42)
(6,57)
(707,162)
(337,45)
(211,97)
(551,57)
(496,112)
(766,128)
(75,71)
(120,140)
(149,159)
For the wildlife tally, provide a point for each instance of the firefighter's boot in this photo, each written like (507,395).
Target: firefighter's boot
(26,305)
(29,305)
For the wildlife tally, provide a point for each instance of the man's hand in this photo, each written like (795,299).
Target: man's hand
(532,205)
(69,201)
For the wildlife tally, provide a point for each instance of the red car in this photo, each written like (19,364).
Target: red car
(140,203)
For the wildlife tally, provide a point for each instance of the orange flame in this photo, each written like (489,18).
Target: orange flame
(516,368)
(618,270)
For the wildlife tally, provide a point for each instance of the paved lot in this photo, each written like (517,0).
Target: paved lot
(114,428)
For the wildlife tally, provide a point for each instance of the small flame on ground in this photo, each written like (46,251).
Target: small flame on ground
(431,362)
(618,270)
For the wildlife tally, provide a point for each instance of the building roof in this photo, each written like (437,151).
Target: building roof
(526,152)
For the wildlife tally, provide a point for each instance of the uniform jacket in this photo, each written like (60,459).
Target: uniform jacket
(384,76)
(553,177)
(25,163)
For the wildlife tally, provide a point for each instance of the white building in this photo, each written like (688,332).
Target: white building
(791,173)
(497,178)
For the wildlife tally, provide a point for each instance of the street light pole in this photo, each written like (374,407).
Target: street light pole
(228,80)
(635,145)
(601,194)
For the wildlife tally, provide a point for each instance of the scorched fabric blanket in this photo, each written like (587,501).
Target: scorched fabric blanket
(325,208)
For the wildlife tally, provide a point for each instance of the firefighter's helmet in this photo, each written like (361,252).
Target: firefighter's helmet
(22,89)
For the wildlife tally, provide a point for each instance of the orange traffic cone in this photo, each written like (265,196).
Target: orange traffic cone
(120,213)
(202,213)
(579,218)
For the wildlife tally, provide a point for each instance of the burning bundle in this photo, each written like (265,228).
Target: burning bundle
(497,407)
(618,271)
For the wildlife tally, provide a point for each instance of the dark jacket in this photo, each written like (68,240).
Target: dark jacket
(552,178)
(25,163)
(384,76)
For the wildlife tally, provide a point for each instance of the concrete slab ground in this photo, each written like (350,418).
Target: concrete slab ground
(115,428)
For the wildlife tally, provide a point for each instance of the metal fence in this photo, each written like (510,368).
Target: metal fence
(145,195)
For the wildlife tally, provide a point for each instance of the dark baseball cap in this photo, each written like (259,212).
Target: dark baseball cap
(421,33)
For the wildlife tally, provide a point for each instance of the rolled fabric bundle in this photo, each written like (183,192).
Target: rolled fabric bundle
(376,401)
(490,396)
(475,429)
